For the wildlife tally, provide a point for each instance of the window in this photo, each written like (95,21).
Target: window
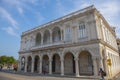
(67,33)
(81,31)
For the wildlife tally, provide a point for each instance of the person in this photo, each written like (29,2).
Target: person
(15,67)
(102,73)
(44,70)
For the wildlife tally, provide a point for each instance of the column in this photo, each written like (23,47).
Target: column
(32,68)
(95,67)
(50,37)
(76,67)
(26,63)
(40,65)
(41,39)
(61,35)
(101,63)
(50,66)
(19,64)
(106,66)
(62,67)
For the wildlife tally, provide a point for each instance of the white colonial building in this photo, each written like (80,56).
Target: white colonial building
(77,44)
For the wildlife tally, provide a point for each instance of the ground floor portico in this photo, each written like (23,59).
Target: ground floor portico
(75,61)
(78,62)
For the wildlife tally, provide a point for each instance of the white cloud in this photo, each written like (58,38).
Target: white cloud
(8,17)
(15,4)
(10,30)
(13,22)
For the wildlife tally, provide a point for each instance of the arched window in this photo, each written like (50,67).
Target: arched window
(38,39)
(56,34)
(46,36)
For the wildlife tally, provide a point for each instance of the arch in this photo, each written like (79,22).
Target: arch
(56,63)
(69,63)
(29,65)
(36,63)
(85,63)
(22,63)
(45,63)
(56,34)
(46,37)
(38,39)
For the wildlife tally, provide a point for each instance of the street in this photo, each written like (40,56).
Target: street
(13,76)
(10,75)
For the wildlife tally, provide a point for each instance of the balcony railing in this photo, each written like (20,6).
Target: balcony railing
(47,45)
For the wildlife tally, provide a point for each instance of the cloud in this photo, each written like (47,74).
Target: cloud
(8,17)
(13,22)
(10,30)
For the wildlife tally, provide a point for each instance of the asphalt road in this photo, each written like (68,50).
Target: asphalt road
(13,76)
(5,78)
(6,75)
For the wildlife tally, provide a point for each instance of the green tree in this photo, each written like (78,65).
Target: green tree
(7,60)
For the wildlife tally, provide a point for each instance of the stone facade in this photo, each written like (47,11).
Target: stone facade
(77,44)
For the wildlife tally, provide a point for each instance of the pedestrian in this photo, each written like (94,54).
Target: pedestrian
(15,67)
(44,70)
(102,73)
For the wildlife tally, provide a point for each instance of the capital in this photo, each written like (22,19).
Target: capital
(76,59)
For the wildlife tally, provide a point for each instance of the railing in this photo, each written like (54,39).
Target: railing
(47,45)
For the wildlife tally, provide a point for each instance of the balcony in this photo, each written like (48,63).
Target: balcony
(47,45)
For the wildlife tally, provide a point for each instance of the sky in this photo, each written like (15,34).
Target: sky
(17,16)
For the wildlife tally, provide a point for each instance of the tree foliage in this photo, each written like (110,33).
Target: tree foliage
(7,60)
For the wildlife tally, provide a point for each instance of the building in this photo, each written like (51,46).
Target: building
(77,44)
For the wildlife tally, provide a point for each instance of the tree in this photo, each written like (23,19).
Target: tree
(7,60)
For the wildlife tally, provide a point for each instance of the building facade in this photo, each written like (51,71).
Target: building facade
(77,44)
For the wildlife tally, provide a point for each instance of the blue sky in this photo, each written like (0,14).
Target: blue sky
(17,16)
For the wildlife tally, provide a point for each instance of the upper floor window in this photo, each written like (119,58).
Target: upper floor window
(46,37)
(38,39)
(68,35)
(82,31)
(56,34)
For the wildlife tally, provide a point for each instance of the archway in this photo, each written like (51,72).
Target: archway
(69,63)
(29,64)
(56,64)
(36,64)
(22,63)
(85,63)
(46,37)
(56,34)
(38,39)
(45,63)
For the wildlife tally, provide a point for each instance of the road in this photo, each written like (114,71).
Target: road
(13,76)
(24,76)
